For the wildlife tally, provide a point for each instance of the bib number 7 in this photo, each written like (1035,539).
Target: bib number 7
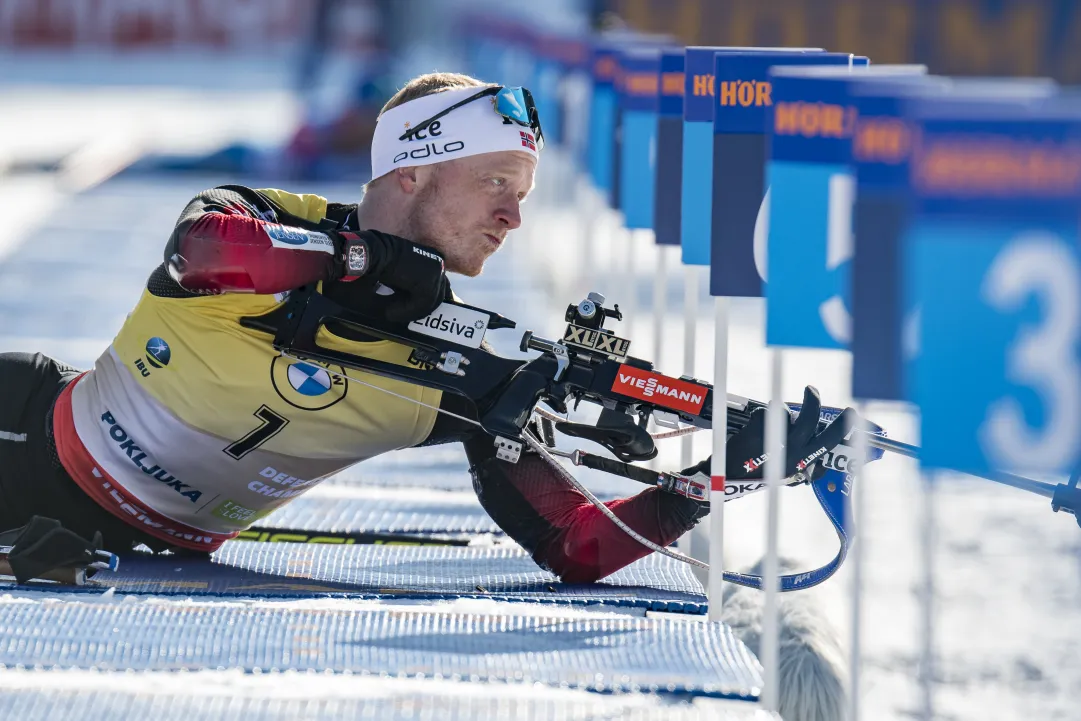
(272,424)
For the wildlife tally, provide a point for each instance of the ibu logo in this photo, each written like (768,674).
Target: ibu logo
(157,352)
(309,380)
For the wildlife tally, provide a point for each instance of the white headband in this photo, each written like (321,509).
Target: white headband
(472,129)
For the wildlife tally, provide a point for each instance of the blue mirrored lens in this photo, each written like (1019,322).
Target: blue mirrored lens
(510,102)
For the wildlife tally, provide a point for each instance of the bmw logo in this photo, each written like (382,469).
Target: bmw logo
(309,385)
(157,352)
(308,380)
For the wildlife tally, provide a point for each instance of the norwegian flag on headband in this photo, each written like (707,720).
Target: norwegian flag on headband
(527,140)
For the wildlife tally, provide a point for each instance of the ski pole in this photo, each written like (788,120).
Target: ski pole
(1040,488)
(1064,496)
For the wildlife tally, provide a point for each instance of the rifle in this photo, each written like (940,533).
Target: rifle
(588,363)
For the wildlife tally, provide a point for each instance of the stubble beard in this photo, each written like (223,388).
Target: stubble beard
(427,224)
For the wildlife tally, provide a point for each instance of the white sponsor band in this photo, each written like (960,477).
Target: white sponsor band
(471,129)
(454,323)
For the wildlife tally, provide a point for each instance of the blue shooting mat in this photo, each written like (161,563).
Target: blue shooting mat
(383,698)
(610,654)
(833,493)
(668,180)
(739,194)
(638,99)
(696,184)
(812,190)
(292,570)
(600,147)
(992,261)
(881,325)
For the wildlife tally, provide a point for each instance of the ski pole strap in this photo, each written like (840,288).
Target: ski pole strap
(833,492)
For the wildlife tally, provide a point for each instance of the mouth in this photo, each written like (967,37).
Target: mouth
(494,240)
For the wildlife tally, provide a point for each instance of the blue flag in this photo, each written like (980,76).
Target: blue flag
(696,197)
(992,259)
(600,147)
(638,98)
(812,189)
(743,97)
(668,180)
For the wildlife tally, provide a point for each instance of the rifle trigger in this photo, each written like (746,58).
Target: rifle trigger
(563,360)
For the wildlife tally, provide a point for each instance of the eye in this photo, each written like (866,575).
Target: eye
(498,182)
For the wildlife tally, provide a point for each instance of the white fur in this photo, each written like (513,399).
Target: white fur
(811,662)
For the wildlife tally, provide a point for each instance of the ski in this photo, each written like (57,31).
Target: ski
(261,534)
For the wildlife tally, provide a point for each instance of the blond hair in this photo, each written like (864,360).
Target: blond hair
(424,85)
(429,84)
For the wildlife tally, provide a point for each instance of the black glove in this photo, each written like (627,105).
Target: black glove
(43,545)
(414,272)
(803,443)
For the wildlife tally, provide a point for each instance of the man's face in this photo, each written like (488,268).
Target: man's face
(465,207)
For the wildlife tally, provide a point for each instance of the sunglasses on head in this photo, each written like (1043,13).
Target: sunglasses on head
(515,105)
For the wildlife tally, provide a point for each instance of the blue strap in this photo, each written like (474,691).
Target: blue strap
(833,491)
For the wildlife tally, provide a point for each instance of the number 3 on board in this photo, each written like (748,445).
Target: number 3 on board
(1044,357)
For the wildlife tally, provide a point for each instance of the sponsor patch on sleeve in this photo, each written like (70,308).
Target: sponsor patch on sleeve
(661,390)
(298,239)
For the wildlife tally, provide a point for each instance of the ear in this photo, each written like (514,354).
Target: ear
(407,178)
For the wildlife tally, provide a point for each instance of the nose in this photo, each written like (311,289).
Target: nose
(509,215)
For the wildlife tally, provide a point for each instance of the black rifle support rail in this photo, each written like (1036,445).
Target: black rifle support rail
(504,390)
